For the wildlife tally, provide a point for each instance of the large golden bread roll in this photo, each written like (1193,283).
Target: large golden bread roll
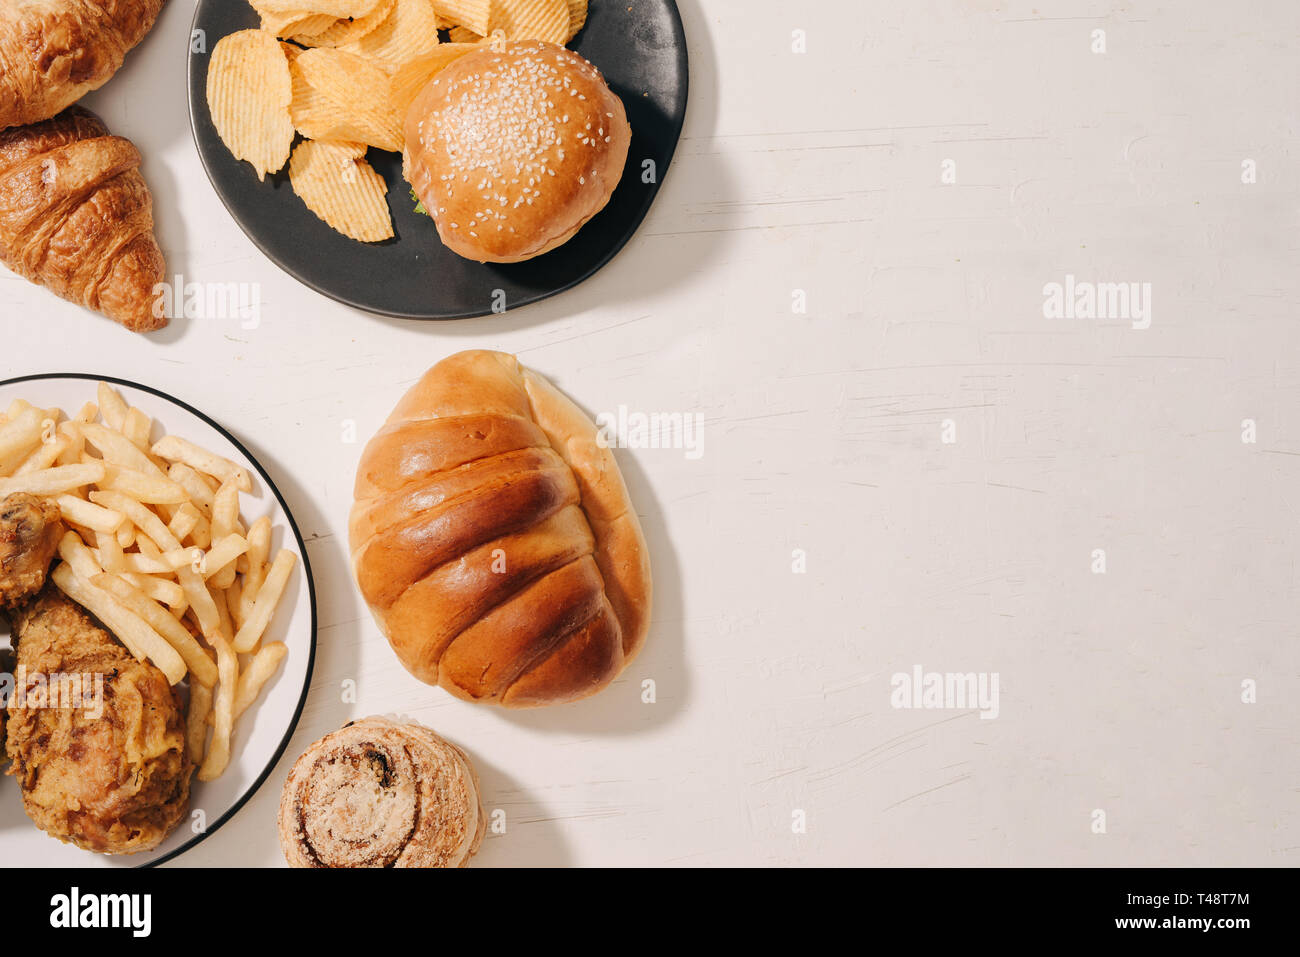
(493,538)
(514,147)
(381,794)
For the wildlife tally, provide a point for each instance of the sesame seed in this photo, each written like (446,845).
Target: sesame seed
(498,128)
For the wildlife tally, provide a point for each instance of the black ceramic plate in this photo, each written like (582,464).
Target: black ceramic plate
(638,45)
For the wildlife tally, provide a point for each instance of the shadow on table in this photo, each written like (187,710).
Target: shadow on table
(531,840)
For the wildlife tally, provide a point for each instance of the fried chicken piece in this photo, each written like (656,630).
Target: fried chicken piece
(116,783)
(6,667)
(30,529)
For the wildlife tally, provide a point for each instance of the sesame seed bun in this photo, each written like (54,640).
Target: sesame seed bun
(513,149)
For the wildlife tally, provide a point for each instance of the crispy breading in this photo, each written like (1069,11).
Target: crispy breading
(114,783)
(30,529)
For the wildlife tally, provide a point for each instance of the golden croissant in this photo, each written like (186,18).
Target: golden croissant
(54,52)
(77,217)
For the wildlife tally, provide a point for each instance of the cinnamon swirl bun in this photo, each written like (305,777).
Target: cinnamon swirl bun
(380,794)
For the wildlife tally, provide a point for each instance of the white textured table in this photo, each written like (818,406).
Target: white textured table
(824,431)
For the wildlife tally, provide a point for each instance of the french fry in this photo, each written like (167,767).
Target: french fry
(78,556)
(225,516)
(175,449)
(225,625)
(83,533)
(200,493)
(149,489)
(256,674)
(268,596)
(91,516)
(212,482)
(159,589)
(52,482)
(109,552)
(196,729)
(144,519)
(202,668)
(76,444)
(139,564)
(218,756)
(18,437)
(259,550)
(45,456)
(259,541)
(117,448)
(201,535)
(184,522)
(202,604)
(141,640)
(137,427)
(221,558)
(150,550)
(88,413)
(126,534)
(191,558)
(111,406)
(233,594)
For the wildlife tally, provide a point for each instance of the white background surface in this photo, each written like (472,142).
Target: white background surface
(821,172)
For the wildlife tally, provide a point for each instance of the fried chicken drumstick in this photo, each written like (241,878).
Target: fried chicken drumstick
(30,529)
(111,775)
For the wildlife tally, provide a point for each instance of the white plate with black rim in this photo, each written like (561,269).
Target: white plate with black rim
(640,48)
(262,733)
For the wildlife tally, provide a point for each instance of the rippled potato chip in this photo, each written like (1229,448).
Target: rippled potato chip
(409,31)
(341,32)
(335,8)
(340,187)
(464,35)
(476,15)
(577,17)
(249,92)
(533,20)
(340,96)
(296,23)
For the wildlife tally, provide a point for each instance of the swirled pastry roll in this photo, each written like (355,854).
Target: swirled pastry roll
(380,794)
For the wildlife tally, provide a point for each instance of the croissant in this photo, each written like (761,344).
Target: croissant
(54,52)
(77,217)
(494,540)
